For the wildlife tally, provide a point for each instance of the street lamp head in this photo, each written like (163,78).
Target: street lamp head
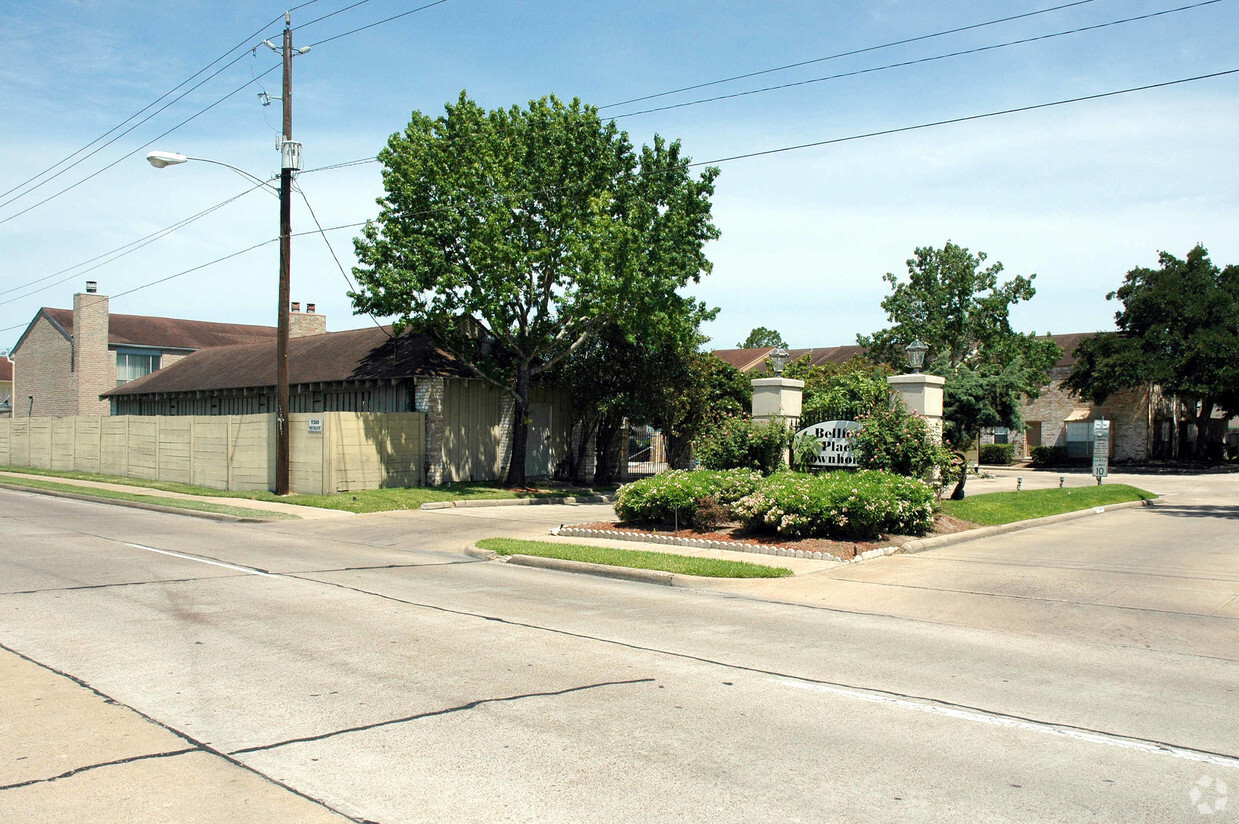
(162,159)
(778,360)
(916,355)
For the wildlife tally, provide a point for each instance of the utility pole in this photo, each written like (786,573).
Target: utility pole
(290,160)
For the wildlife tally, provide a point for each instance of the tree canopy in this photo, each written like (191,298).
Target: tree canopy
(1178,328)
(514,235)
(957,306)
(760,337)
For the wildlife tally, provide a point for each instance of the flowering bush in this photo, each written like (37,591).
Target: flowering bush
(839,505)
(741,443)
(895,440)
(663,497)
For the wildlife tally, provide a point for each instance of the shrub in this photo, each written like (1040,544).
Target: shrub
(997,454)
(839,505)
(741,443)
(1049,456)
(709,514)
(663,498)
(892,439)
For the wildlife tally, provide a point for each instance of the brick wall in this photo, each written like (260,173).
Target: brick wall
(94,365)
(1128,412)
(303,324)
(43,367)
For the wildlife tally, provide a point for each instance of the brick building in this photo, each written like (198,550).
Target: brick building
(67,358)
(6,386)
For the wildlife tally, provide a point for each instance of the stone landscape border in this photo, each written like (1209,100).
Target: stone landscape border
(573,531)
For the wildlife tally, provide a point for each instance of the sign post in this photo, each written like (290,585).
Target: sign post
(1101,449)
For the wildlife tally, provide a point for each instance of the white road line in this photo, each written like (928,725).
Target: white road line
(994,719)
(250,570)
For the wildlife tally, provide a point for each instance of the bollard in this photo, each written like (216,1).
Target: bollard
(1019,482)
(1061,478)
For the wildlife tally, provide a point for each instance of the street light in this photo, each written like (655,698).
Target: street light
(162,160)
(778,360)
(916,355)
(291,153)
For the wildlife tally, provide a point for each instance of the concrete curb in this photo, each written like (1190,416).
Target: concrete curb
(645,576)
(172,510)
(699,543)
(922,544)
(568,499)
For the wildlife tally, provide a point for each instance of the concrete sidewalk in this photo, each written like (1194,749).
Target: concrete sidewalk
(305,512)
(72,754)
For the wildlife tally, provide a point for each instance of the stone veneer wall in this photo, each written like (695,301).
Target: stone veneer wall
(428,398)
(1128,412)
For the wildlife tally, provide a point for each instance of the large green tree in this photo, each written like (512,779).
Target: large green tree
(513,235)
(956,304)
(1179,329)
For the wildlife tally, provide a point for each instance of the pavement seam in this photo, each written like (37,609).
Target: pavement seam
(193,742)
(435,713)
(75,771)
(760,671)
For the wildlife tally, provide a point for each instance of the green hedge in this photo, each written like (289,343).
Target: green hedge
(997,454)
(833,505)
(839,505)
(675,494)
(1054,456)
(742,443)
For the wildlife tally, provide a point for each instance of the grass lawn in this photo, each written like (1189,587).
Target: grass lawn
(173,503)
(997,508)
(634,559)
(367,500)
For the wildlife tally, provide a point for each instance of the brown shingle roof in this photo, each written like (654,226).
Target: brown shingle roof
(754,360)
(170,333)
(356,354)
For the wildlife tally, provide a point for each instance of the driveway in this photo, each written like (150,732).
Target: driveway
(1161,577)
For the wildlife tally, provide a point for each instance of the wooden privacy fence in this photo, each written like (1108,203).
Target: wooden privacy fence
(329,451)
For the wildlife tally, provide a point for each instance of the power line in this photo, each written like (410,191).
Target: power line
(135,151)
(967,118)
(920,60)
(120,251)
(732,158)
(838,55)
(306,25)
(396,17)
(171,91)
(352,286)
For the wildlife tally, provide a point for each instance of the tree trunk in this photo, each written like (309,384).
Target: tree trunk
(578,459)
(1202,428)
(520,428)
(604,460)
(958,494)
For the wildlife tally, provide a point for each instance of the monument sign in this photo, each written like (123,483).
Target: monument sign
(836,450)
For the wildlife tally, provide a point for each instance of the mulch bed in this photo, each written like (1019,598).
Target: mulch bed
(844,550)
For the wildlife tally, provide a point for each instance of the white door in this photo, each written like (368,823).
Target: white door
(538,451)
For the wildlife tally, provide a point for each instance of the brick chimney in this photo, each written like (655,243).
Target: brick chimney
(303,324)
(94,367)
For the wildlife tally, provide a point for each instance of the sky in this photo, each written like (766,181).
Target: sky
(1077,193)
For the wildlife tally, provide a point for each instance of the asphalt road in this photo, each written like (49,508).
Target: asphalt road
(164,668)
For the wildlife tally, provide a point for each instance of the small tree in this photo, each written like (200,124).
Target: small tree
(761,337)
(513,236)
(959,308)
(892,439)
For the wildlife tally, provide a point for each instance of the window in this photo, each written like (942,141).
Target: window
(1079,439)
(1002,434)
(131,366)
